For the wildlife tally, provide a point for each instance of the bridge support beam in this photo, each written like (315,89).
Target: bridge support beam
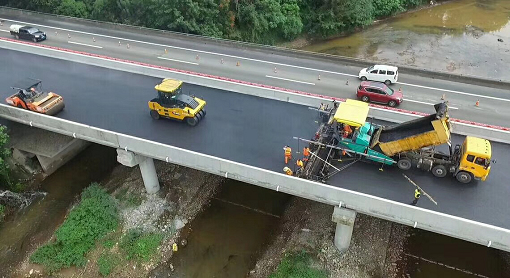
(149,175)
(344,219)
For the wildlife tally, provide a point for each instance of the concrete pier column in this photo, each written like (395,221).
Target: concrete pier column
(149,175)
(344,219)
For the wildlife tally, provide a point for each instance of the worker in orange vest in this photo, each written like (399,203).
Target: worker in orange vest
(288,154)
(347,131)
(306,153)
(288,171)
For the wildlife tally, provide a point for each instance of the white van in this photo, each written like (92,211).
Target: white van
(381,73)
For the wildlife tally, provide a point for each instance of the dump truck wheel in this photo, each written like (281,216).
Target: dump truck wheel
(192,121)
(155,114)
(464,177)
(365,98)
(439,171)
(404,164)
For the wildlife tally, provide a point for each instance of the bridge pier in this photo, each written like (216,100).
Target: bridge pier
(344,219)
(149,175)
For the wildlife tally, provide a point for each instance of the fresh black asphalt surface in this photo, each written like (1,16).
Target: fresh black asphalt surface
(245,129)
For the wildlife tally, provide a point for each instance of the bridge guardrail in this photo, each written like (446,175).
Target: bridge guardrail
(453,226)
(493,133)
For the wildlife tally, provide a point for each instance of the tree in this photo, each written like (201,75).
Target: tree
(4,154)
(72,8)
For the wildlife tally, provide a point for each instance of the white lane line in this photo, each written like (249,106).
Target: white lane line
(182,48)
(174,60)
(428,103)
(84,44)
(248,59)
(7,31)
(455,92)
(292,80)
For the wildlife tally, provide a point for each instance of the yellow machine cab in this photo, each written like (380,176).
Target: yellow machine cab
(476,154)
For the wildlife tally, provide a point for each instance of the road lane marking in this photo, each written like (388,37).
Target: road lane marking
(292,80)
(84,44)
(248,59)
(428,103)
(175,60)
(455,92)
(185,49)
(7,31)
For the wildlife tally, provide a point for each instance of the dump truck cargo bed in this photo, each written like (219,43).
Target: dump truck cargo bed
(432,130)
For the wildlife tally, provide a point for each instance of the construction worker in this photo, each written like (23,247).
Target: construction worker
(417,195)
(300,163)
(288,154)
(288,171)
(347,131)
(306,153)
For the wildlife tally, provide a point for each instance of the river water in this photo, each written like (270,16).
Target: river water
(34,225)
(458,37)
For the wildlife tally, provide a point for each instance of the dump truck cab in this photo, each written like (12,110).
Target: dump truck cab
(474,159)
(29,95)
(172,103)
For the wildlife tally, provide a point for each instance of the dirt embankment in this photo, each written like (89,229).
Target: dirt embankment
(375,250)
(184,192)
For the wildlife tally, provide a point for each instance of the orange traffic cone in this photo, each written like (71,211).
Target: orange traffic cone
(477,103)
(443,97)
(275,69)
(319,78)
(238,64)
(197,57)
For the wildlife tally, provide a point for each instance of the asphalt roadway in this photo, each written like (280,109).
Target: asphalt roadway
(245,129)
(264,66)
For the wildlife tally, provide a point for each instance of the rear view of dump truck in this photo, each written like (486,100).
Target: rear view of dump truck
(29,95)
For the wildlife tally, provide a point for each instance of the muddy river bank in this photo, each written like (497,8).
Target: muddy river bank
(469,37)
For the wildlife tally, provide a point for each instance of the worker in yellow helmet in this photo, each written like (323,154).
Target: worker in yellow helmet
(288,171)
(300,163)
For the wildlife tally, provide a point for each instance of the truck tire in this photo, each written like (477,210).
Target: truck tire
(404,163)
(439,171)
(155,114)
(464,177)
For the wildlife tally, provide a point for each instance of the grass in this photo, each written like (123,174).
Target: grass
(95,216)
(107,262)
(297,265)
(140,246)
(129,199)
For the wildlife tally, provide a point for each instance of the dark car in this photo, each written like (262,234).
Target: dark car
(27,33)
(370,91)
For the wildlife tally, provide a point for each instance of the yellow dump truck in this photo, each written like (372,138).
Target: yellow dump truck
(414,141)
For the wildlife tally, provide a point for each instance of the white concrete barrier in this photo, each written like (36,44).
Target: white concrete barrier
(472,231)
(496,135)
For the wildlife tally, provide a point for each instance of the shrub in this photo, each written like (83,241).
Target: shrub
(92,219)
(297,265)
(140,246)
(107,263)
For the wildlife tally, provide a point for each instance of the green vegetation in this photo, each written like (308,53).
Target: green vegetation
(107,262)
(140,246)
(261,21)
(92,219)
(2,213)
(129,199)
(297,265)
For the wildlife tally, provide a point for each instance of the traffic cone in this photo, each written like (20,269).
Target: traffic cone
(347,83)
(222,61)
(275,69)
(119,43)
(238,64)
(400,90)
(166,51)
(127,45)
(197,57)
(319,77)
(93,39)
(443,97)
(68,35)
(56,32)
(477,103)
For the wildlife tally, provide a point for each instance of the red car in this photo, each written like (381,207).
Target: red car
(369,91)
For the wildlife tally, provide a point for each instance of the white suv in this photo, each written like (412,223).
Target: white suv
(381,73)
